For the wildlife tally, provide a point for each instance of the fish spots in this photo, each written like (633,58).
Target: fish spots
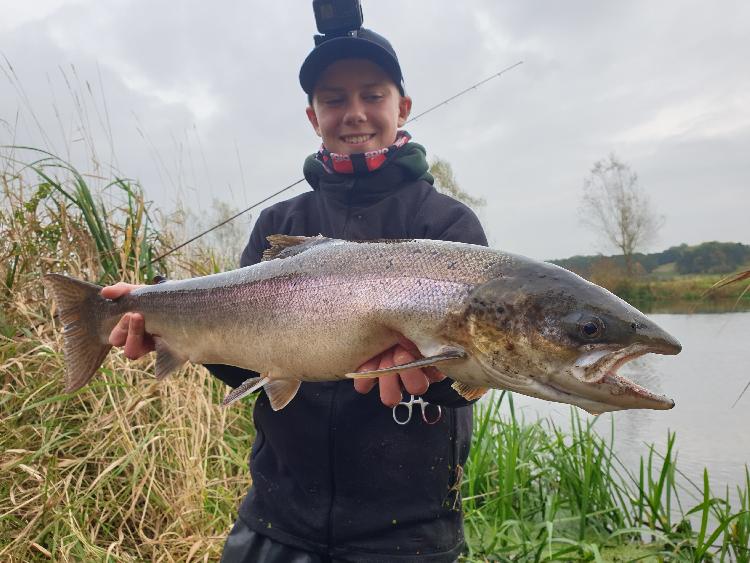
(498,315)
(509,346)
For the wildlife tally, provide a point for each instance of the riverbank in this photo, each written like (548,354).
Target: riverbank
(537,492)
(129,469)
(680,294)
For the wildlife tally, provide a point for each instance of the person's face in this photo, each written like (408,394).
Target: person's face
(356,107)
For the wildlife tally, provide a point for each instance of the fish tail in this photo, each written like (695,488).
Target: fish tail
(86,343)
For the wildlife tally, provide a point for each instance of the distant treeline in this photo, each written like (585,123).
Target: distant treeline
(705,258)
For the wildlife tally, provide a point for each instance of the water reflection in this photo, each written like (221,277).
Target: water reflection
(704,380)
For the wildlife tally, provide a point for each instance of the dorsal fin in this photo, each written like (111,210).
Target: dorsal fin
(281,243)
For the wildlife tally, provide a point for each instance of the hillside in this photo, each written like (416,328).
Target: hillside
(705,258)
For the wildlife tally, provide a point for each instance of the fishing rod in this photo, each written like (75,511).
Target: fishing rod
(290,186)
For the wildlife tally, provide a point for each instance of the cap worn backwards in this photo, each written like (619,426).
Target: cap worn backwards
(364,44)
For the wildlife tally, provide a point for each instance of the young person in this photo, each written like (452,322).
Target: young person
(334,477)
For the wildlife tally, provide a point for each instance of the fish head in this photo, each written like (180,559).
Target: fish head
(543,331)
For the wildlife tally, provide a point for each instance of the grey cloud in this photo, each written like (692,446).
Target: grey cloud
(203,97)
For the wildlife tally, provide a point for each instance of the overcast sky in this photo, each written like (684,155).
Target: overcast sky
(200,100)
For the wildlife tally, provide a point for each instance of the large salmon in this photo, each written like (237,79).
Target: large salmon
(316,308)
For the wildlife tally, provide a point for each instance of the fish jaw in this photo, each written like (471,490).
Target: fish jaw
(612,392)
(596,362)
(599,382)
(595,372)
(587,379)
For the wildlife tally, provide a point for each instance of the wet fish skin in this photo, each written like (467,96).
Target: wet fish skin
(319,308)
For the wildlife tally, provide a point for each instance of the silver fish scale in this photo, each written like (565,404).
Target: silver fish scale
(324,307)
(320,313)
(437,260)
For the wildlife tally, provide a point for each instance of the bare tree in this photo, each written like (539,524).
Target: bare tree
(446,183)
(614,205)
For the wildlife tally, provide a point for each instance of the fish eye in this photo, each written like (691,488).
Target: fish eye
(591,328)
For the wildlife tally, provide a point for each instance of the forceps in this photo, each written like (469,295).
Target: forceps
(436,411)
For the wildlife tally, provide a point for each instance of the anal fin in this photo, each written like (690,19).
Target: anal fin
(167,360)
(281,391)
(447,353)
(468,392)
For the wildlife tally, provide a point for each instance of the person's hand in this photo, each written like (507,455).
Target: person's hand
(130,331)
(415,381)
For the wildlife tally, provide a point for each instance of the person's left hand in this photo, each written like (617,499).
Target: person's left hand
(415,381)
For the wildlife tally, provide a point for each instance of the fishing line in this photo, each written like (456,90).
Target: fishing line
(290,186)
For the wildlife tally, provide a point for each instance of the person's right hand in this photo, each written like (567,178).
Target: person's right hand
(130,331)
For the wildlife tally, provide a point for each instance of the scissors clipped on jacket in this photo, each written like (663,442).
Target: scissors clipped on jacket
(430,413)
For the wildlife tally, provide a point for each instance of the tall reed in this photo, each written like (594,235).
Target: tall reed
(123,236)
(125,469)
(533,492)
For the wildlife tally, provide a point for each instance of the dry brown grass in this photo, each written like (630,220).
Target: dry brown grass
(126,469)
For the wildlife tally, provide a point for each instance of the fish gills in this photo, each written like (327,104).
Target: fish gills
(84,347)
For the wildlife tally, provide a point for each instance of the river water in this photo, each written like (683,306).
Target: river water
(704,380)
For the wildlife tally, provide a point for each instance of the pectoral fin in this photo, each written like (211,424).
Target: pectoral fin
(446,354)
(167,360)
(279,391)
(468,392)
(249,386)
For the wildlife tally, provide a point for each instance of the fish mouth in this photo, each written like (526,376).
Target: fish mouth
(591,382)
(596,363)
(596,380)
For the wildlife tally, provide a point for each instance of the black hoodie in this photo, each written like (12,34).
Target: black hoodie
(332,472)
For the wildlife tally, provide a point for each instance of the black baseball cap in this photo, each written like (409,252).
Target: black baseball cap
(363,44)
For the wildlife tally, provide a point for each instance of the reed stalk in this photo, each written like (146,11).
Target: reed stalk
(572,499)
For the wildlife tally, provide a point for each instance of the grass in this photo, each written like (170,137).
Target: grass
(127,469)
(682,293)
(533,492)
(665,290)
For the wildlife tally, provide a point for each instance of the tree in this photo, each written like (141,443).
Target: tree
(446,183)
(615,206)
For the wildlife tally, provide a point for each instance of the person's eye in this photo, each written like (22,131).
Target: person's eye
(333,101)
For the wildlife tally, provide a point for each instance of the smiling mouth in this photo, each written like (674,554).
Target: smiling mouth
(357,139)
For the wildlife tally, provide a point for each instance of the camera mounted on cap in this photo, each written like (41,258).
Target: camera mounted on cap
(337,18)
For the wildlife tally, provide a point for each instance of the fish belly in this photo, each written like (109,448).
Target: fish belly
(312,329)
